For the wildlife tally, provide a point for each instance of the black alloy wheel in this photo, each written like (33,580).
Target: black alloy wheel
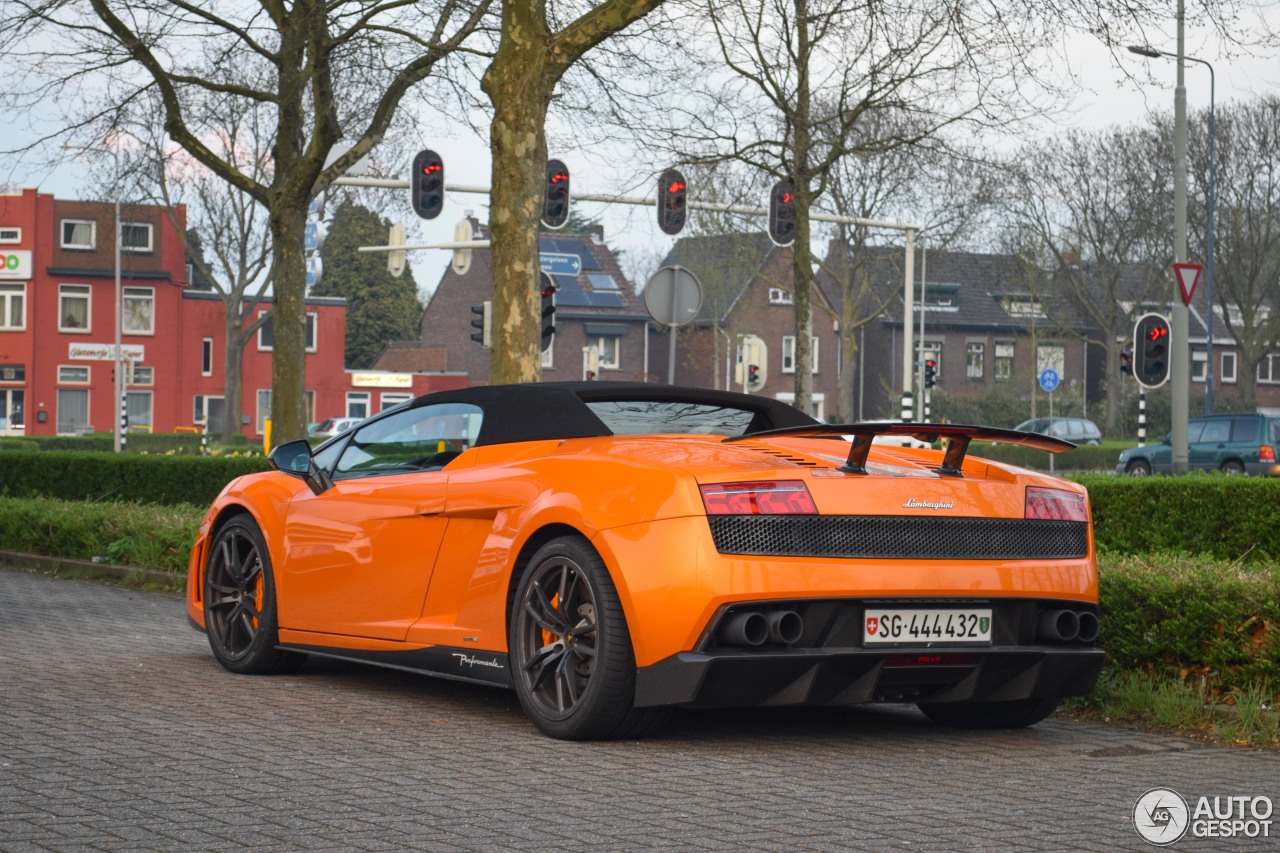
(240,604)
(574,666)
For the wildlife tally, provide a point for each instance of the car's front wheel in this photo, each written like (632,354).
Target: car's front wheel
(240,602)
(574,668)
(1014,714)
(1138,468)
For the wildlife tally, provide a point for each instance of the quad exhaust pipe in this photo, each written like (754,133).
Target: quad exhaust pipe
(753,628)
(1067,626)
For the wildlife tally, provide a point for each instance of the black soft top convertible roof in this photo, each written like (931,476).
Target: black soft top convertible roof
(552,410)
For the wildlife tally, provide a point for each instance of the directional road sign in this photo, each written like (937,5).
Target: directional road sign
(558,264)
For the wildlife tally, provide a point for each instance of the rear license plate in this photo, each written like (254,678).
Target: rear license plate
(882,627)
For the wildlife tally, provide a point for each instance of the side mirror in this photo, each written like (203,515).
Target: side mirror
(294,458)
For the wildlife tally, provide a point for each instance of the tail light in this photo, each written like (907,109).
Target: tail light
(776,497)
(1055,505)
(1266,453)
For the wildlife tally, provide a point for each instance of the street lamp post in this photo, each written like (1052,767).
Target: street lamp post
(1152,53)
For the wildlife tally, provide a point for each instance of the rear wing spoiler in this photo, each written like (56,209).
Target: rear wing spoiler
(958,437)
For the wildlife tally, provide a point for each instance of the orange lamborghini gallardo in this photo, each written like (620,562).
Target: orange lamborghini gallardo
(610,550)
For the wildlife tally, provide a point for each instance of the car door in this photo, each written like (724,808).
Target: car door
(358,558)
(1205,451)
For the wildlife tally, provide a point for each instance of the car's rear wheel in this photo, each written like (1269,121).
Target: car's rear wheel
(240,603)
(1232,467)
(1138,468)
(574,667)
(1014,714)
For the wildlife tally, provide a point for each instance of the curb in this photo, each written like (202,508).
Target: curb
(60,566)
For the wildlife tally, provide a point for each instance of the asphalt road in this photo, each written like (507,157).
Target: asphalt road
(118,731)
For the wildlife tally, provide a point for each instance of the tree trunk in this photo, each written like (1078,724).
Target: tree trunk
(288,359)
(520,90)
(802,263)
(233,358)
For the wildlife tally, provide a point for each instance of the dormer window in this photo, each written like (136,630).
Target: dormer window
(1024,307)
(135,237)
(79,234)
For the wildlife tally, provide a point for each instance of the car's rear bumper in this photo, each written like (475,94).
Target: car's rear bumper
(854,676)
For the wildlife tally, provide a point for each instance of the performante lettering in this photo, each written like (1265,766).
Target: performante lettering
(469,661)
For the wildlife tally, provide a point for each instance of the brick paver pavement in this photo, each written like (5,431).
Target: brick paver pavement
(119,731)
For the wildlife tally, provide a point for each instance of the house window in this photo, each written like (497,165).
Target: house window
(13,307)
(1199,360)
(139,310)
(357,404)
(1002,367)
(141,376)
(1269,369)
(975,353)
(135,236)
(73,308)
(267,335)
(789,354)
(931,351)
(73,375)
(607,346)
(10,235)
(1051,357)
(137,405)
(778,296)
(73,411)
(548,354)
(79,234)
(208,411)
(263,410)
(206,356)
(386,401)
(1228,372)
(1024,307)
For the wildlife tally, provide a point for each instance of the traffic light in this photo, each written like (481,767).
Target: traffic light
(484,323)
(427,184)
(1126,362)
(930,373)
(672,201)
(753,375)
(782,213)
(1151,350)
(555,197)
(547,311)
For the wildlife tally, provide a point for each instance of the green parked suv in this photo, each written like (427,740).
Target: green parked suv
(1236,444)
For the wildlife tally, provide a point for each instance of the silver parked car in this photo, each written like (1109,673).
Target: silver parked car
(1075,430)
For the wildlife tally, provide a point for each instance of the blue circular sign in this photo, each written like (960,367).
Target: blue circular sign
(1049,380)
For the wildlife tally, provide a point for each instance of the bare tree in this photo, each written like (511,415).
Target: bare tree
(1097,206)
(1247,228)
(315,72)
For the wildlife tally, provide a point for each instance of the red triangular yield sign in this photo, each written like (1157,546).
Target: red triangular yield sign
(1188,277)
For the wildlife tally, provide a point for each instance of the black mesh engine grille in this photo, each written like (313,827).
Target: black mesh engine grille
(896,537)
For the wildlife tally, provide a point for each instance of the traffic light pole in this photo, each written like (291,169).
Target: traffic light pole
(1180,364)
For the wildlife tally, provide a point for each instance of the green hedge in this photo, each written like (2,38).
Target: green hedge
(146,536)
(1208,515)
(90,476)
(1191,618)
(1083,458)
(136,442)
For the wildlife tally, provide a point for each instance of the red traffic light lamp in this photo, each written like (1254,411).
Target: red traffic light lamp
(672,201)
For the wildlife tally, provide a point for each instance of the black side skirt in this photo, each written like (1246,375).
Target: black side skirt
(473,665)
